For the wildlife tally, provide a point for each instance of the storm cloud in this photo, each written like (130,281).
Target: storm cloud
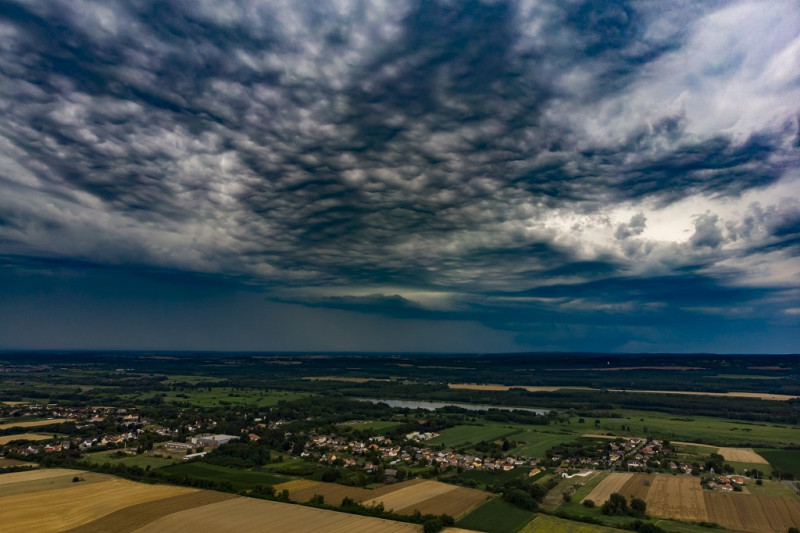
(603,169)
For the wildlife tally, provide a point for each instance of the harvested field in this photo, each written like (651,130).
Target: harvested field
(33,423)
(427,497)
(302,490)
(742,455)
(405,497)
(613,483)
(638,486)
(678,497)
(5,439)
(260,515)
(4,463)
(16,477)
(51,483)
(745,512)
(61,509)
(457,503)
(135,516)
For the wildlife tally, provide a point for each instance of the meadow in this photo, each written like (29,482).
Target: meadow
(464,435)
(239,479)
(783,460)
(142,460)
(496,516)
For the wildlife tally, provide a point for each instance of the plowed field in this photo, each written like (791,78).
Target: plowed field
(613,483)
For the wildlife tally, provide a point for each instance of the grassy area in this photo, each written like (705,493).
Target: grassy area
(461,435)
(223,396)
(783,460)
(142,461)
(587,487)
(496,516)
(490,477)
(380,426)
(771,488)
(718,431)
(746,468)
(533,443)
(551,524)
(240,479)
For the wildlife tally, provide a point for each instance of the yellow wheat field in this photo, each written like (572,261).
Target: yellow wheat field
(31,475)
(255,516)
(745,512)
(61,509)
(742,455)
(33,423)
(613,483)
(678,497)
(5,439)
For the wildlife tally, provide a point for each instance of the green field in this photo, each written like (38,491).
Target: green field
(783,460)
(551,524)
(462,435)
(379,426)
(142,461)
(490,477)
(718,431)
(223,396)
(770,488)
(240,479)
(533,443)
(496,516)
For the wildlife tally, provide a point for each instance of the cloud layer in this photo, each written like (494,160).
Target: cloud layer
(596,167)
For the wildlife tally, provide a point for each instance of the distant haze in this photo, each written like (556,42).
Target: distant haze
(390,175)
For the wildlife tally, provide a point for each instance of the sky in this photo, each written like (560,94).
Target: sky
(444,175)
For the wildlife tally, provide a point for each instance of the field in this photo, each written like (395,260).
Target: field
(496,516)
(380,426)
(551,524)
(224,396)
(240,479)
(718,431)
(75,505)
(245,514)
(110,504)
(770,488)
(5,439)
(744,512)
(533,443)
(5,463)
(429,497)
(611,484)
(678,497)
(302,490)
(490,477)
(783,460)
(496,387)
(742,455)
(142,460)
(462,435)
(33,423)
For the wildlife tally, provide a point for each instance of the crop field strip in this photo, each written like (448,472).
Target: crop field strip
(66,508)
(32,475)
(261,515)
(742,455)
(677,497)
(51,483)
(135,516)
(302,490)
(5,439)
(551,524)
(34,423)
(613,483)
(456,503)
(746,512)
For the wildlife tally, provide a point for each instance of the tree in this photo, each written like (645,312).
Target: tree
(615,505)
(638,505)
(588,503)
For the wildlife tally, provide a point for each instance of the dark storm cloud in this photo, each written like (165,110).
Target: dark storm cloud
(454,150)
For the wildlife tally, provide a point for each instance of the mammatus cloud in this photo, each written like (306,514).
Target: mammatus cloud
(430,160)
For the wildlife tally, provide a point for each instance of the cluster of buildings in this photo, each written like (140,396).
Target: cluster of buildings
(331,448)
